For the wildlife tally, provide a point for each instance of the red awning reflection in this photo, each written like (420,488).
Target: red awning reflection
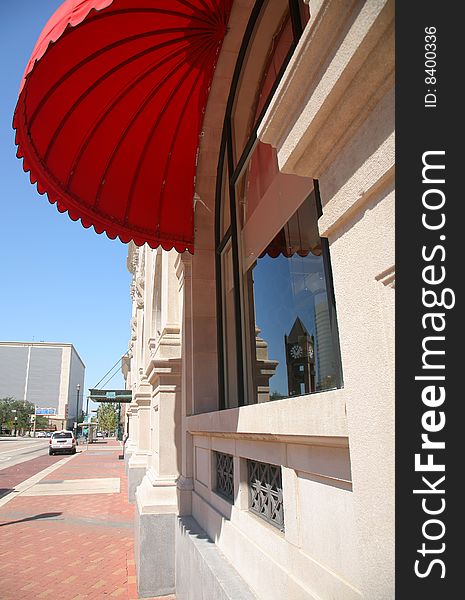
(110,113)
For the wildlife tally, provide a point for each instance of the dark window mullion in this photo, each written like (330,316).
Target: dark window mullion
(226,152)
(219,201)
(329,290)
(294,11)
(226,238)
(236,273)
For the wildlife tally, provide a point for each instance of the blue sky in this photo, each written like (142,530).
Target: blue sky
(277,305)
(59,281)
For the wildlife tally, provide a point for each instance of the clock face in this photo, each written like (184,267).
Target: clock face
(296,351)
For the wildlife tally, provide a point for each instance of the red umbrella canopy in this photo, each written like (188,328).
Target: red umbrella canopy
(110,111)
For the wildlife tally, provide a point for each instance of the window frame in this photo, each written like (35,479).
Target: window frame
(232,172)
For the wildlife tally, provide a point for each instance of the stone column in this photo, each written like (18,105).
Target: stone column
(156,496)
(131,441)
(185,482)
(140,442)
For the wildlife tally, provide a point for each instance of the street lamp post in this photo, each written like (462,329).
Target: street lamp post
(16,419)
(78,389)
(119,436)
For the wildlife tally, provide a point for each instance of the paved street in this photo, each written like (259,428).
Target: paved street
(66,527)
(20,459)
(17,450)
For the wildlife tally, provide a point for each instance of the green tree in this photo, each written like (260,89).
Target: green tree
(41,422)
(24,410)
(15,414)
(6,414)
(107,416)
(275,395)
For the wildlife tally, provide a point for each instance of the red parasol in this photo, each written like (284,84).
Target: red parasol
(110,113)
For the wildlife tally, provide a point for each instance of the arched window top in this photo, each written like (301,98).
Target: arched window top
(264,57)
(277,333)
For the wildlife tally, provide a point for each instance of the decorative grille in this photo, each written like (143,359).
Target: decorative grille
(266,493)
(225,475)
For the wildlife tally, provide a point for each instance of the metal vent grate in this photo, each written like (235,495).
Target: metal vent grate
(225,475)
(266,493)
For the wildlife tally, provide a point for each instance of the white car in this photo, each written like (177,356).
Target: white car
(62,441)
(41,434)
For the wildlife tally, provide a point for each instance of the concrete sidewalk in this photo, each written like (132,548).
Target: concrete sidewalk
(68,531)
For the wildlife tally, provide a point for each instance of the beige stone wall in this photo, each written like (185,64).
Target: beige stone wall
(332,118)
(155,349)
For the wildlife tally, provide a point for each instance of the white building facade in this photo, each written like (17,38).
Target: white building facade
(48,374)
(260,448)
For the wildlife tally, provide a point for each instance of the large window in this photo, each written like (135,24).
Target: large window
(277,328)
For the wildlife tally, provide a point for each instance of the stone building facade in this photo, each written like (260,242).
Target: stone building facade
(242,483)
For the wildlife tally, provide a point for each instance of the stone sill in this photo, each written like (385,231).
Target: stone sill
(319,419)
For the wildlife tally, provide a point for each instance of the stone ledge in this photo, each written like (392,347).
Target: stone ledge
(202,571)
(324,95)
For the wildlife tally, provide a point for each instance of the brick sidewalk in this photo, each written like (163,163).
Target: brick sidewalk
(72,543)
(11,476)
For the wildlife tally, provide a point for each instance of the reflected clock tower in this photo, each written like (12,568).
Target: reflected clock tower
(300,359)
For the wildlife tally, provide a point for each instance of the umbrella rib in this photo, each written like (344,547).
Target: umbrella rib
(111,12)
(104,113)
(141,107)
(100,80)
(89,59)
(192,57)
(206,50)
(208,10)
(195,60)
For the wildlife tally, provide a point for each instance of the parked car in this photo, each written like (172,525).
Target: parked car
(48,434)
(100,435)
(41,434)
(62,441)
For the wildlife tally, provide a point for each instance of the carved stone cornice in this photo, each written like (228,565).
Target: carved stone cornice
(153,344)
(183,267)
(167,345)
(132,290)
(142,396)
(142,262)
(161,371)
(324,96)
(133,257)
(132,410)
(134,328)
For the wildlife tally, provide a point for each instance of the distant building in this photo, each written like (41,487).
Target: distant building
(48,374)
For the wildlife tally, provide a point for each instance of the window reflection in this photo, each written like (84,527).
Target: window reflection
(278,325)
(291,342)
(265,58)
